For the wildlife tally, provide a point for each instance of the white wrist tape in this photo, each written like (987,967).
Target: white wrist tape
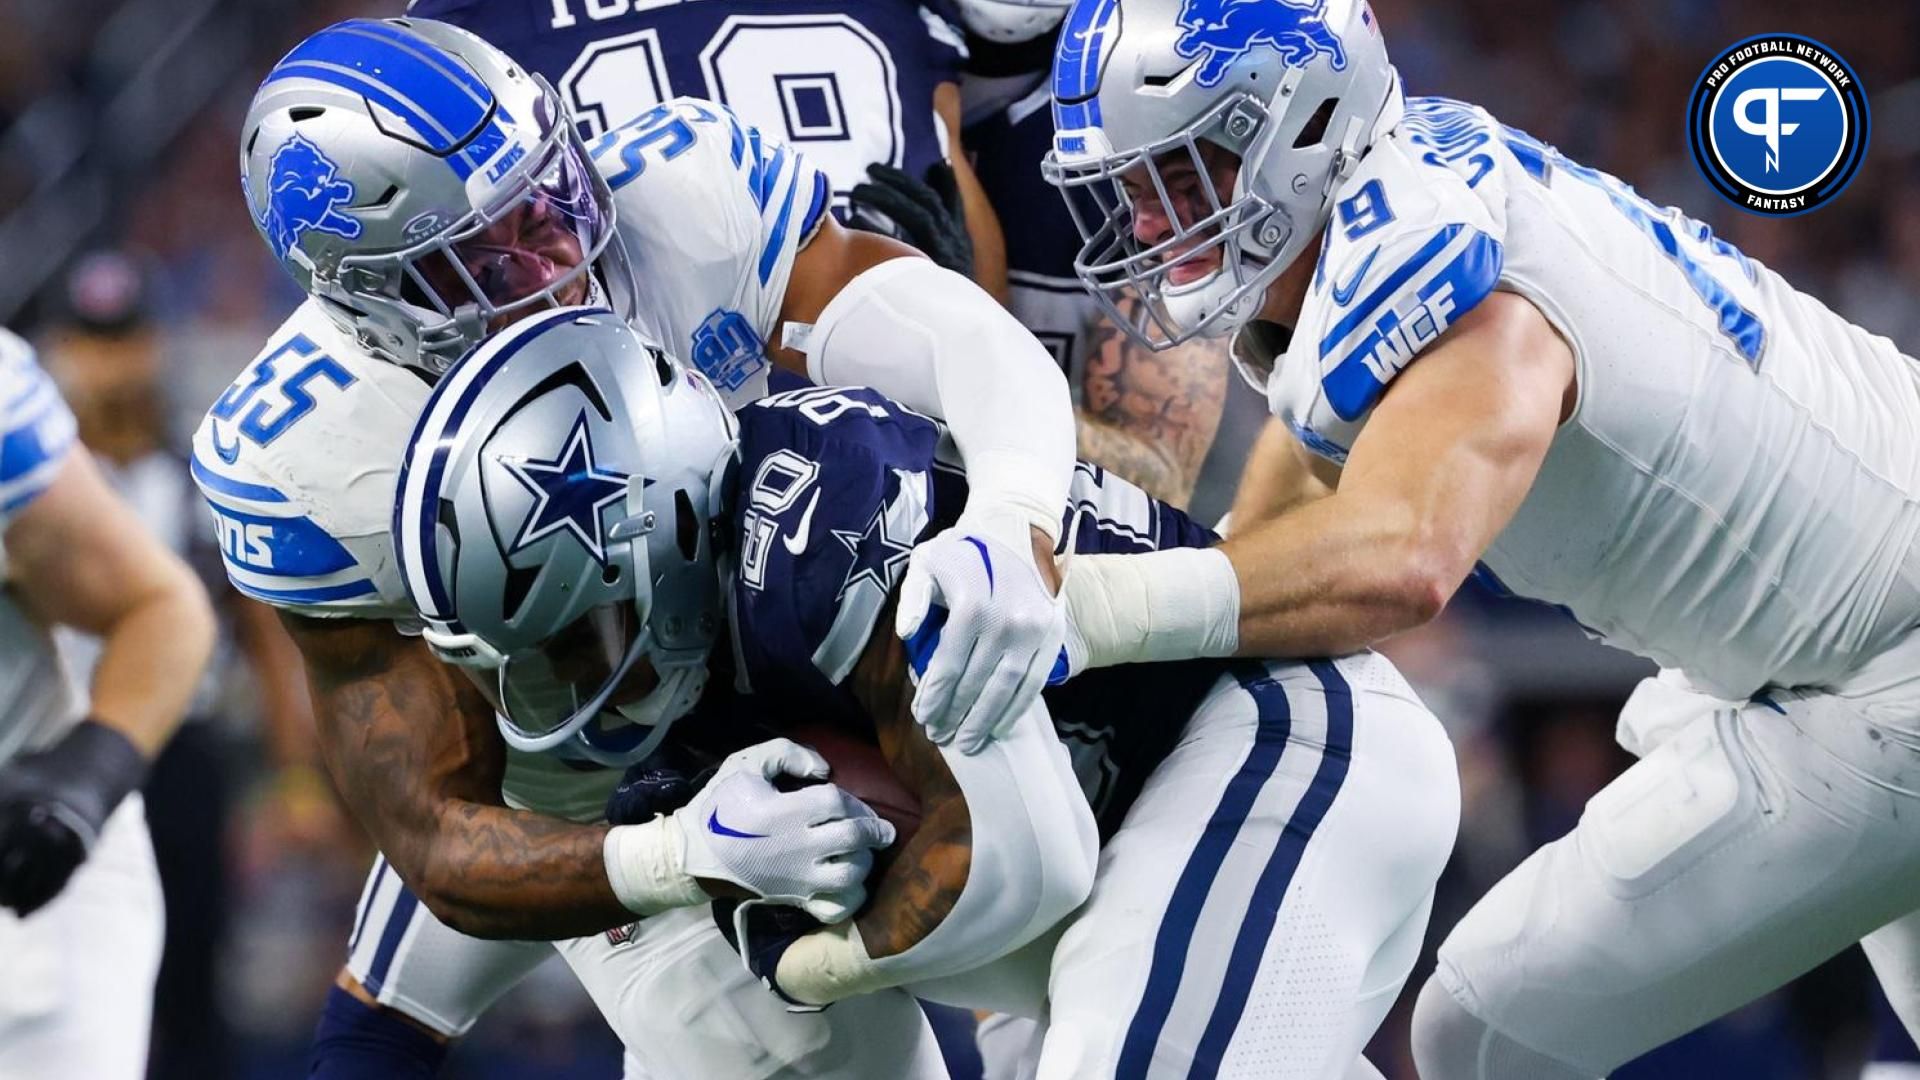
(1176,604)
(937,343)
(828,965)
(646,867)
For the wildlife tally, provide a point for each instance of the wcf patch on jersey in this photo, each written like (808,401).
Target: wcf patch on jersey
(1778,124)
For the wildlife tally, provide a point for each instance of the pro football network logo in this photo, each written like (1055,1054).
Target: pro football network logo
(1778,124)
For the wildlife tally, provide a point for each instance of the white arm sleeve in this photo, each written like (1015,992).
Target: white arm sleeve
(937,343)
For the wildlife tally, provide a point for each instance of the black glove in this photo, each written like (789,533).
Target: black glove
(927,214)
(661,784)
(53,804)
(771,929)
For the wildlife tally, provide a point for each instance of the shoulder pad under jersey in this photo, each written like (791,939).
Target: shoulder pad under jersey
(1414,242)
(712,214)
(831,494)
(298,460)
(36,427)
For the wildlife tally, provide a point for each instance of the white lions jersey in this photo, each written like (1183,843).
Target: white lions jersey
(36,434)
(1735,494)
(300,457)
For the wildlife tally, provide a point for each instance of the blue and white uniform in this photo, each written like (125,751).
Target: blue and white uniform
(1271,832)
(299,462)
(1736,495)
(851,81)
(77,998)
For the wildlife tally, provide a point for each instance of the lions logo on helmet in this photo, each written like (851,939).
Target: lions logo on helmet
(304,193)
(1222,31)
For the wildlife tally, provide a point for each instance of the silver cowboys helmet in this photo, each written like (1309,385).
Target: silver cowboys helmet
(554,529)
(1295,90)
(424,188)
(1012,21)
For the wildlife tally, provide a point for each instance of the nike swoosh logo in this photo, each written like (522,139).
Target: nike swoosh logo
(797,541)
(1342,294)
(227,454)
(982,548)
(714,826)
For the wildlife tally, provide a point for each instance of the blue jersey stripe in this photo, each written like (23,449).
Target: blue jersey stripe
(777,240)
(1263,911)
(290,547)
(1175,936)
(239,489)
(318,595)
(1365,308)
(817,208)
(404,905)
(366,907)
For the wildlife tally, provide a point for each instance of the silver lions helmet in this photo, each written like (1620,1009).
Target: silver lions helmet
(1199,142)
(424,188)
(553,526)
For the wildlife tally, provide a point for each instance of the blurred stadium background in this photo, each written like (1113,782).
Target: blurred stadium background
(126,253)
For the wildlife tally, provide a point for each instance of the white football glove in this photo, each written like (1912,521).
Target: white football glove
(983,633)
(811,848)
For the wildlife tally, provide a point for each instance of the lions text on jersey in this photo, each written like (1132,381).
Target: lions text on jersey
(36,433)
(299,458)
(851,80)
(1734,493)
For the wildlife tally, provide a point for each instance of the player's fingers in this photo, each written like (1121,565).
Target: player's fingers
(843,842)
(933,698)
(835,907)
(873,832)
(916,596)
(819,804)
(784,757)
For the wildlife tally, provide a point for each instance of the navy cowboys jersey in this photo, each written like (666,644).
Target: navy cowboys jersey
(850,82)
(1007,144)
(834,487)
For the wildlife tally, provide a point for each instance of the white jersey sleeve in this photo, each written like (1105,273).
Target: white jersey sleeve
(298,460)
(36,427)
(711,213)
(1415,241)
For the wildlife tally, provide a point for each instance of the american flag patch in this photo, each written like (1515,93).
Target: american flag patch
(621,935)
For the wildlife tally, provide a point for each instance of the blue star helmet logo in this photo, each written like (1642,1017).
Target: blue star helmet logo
(1222,31)
(569,493)
(304,193)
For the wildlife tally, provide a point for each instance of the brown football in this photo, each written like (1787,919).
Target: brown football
(860,769)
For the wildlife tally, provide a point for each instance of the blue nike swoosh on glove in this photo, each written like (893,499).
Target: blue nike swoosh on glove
(922,642)
(982,548)
(714,826)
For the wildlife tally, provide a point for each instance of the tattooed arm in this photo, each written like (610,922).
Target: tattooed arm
(413,749)
(1007,847)
(1151,416)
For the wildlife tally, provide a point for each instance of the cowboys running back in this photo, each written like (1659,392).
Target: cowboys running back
(1515,361)
(424,189)
(1271,832)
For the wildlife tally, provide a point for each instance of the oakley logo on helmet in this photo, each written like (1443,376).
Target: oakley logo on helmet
(1222,31)
(304,193)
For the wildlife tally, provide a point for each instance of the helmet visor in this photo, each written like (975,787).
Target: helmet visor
(534,247)
(596,663)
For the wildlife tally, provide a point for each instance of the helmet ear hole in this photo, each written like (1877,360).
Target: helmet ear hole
(610,574)
(686,525)
(662,368)
(1315,129)
(304,112)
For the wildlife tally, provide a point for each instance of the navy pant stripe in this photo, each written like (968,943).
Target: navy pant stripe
(397,922)
(1175,936)
(373,897)
(1270,891)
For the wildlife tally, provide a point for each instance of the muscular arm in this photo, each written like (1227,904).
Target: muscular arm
(983,225)
(78,557)
(1279,476)
(1451,450)
(925,878)
(1151,416)
(413,749)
